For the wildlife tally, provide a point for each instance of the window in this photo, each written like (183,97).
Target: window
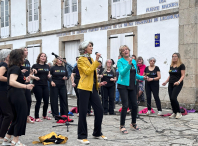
(33,52)
(5,18)
(118,40)
(121,8)
(33,16)
(71,51)
(70,13)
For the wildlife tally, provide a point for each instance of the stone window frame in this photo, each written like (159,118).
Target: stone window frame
(134,9)
(62,40)
(28,19)
(62,14)
(34,43)
(9,19)
(7,46)
(120,31)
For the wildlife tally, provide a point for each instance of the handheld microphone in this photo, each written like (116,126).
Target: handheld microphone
(55,55)
(97,53)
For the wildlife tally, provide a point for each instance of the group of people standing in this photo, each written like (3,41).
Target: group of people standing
(87,78)
(130,73)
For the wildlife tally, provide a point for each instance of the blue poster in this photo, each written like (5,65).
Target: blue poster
(157,40)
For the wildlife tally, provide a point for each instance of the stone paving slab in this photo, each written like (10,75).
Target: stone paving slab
(170,132)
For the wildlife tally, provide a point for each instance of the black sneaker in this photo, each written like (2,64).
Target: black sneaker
(105,113)
(116,102)
(112,114)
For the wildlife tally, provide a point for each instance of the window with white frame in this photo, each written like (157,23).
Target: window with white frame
(5,18)
(33,16)
(119,40)
(70,13)
(121,8)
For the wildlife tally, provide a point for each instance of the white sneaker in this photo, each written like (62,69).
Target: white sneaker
(172,116)
(148,113)
(77,114)
(8,142)
(84,141)
(178,116)
(159,113)
(101,137)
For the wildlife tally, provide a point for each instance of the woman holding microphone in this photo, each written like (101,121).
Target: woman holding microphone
(126,85)
(88,91)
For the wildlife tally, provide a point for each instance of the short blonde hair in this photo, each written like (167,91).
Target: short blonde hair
(120,49)
(55,61)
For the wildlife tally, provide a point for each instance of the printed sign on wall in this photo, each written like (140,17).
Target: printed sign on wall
(157,40)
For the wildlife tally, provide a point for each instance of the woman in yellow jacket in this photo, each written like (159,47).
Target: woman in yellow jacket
(87,87)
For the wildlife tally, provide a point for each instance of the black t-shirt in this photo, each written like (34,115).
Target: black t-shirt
(94,71)
(3,85)
(175,73)
(42,73)
(151,74)
(58,72)
(132,80)
(76,71)
(107,76)
(15,70)
(26,65)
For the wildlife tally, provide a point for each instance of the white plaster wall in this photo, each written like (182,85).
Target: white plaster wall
(18,18)
(142,5)
(99,40)
(49,44)
(50,15)
(97,11)
(169,32)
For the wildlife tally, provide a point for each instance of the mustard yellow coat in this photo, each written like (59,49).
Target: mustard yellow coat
(86,71)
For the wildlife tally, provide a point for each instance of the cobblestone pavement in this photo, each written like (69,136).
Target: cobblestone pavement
(155,130)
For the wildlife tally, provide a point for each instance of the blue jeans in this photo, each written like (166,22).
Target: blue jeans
(117,98)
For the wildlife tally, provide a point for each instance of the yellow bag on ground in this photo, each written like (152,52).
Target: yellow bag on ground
(51,138)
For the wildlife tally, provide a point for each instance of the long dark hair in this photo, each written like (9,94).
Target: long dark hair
(38,58)
(16,57)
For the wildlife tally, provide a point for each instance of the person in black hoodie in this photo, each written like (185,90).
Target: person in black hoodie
(58,88)
(41,76)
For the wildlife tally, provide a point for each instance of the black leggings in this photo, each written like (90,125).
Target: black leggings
(153,87)
(28,99)
(18,102)
(173,92)
(41,92)
(84,99)
(61,92)
(6,113)
(126,97)
(77,94)
(108,99)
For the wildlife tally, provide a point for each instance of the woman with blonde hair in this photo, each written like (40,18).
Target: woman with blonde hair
(58,88)
(127,87)
(175,79)
(108,74)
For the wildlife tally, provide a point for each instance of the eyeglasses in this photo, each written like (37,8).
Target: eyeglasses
(152,60)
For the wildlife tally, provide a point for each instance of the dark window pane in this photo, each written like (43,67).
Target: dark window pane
(2,24)
(66,10)
(7,24)
(30,1)
(6,2)
(30,18)
(35,17)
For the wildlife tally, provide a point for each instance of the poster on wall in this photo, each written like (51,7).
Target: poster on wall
(157,40)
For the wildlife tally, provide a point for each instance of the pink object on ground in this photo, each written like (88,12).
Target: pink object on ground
(145,110)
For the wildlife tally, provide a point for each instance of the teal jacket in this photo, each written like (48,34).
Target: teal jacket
(124,72)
